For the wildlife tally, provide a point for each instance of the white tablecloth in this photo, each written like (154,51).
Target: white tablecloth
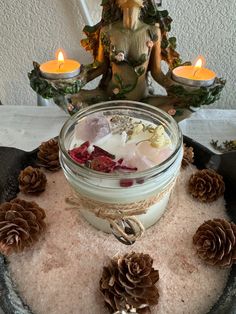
(26,127)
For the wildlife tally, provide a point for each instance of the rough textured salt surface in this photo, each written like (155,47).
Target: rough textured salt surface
(61,273)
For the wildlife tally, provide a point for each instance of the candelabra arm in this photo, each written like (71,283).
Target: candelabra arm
(56,88)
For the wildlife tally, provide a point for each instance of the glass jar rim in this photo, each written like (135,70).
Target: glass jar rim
(127,104)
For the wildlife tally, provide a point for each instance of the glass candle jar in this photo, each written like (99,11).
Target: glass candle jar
(146,192)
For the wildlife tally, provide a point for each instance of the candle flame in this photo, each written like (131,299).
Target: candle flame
(60,57)
(200,62)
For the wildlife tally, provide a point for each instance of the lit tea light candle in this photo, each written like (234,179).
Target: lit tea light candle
(61,68)
(194,75)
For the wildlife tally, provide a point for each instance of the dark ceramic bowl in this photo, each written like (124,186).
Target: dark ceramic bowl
(12,161)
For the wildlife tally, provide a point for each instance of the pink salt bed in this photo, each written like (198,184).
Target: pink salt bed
(61,273)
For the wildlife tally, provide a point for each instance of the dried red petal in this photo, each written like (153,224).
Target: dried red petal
(126,183)
(120,161)
(80,154)
(99,159)
(103,164)
(98,151)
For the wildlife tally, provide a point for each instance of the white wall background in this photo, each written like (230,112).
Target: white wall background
(35,29)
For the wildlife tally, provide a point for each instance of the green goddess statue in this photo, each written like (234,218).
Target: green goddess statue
(129,46)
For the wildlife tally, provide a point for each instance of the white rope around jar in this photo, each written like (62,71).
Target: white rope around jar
(113,213)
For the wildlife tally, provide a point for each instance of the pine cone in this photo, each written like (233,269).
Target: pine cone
(215,241)
(129,283)
(188,157)
(206,185)
(21,223)
(48,155)
(32,180)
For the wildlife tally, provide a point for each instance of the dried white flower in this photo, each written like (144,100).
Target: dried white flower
(138,128)
(159,131)
(159,140)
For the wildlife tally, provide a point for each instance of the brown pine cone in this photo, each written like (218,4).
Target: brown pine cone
(32,180)
(188,157)
(206,185)
(215,241)
(21,223)
(129,283)
(48,155)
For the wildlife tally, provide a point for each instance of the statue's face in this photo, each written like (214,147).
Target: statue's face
(129,4)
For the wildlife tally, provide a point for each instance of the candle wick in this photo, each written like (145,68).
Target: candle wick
(141,142)
(61,65)
(195,72)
